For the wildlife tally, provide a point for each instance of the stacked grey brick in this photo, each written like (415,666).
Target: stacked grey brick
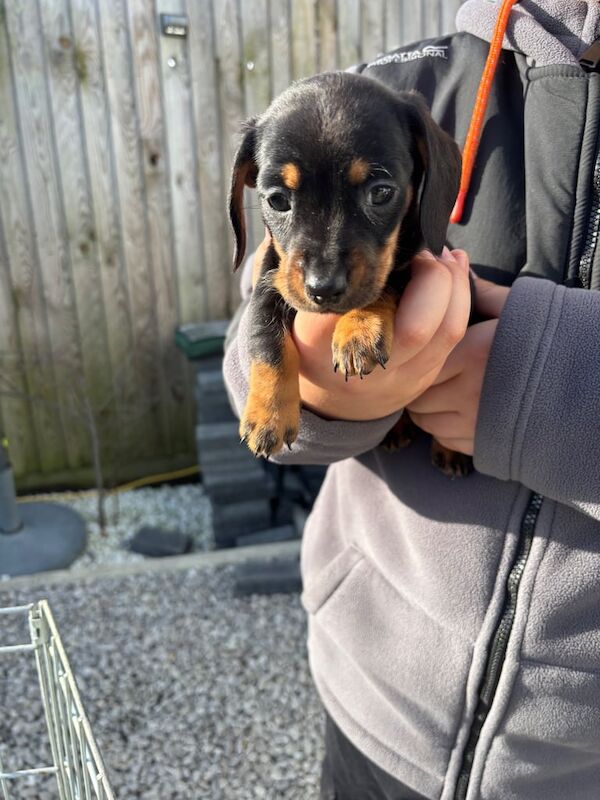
(239,488)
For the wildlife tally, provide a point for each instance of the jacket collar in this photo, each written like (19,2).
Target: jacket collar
(546,31)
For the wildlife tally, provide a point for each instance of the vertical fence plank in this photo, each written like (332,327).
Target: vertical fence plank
(349,39)
(432,18)
(412,20)
(393,24)
(230,81)
(23,293)
(448,14)
(304,42)
(280,45)
(65,69)
(181,142)
(327,42)
(372,19)
(257,90)
(39,150)
(15,411)
(217,236)
(143,418)
(112,413)
(153,122)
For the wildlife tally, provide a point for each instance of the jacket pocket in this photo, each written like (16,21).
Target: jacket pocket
(381,659)
(319,589)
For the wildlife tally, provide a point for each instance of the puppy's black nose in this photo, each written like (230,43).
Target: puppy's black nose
(325,288)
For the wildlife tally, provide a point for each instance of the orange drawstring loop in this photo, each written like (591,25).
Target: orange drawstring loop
(481,101)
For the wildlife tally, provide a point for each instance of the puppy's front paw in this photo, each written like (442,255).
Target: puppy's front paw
(271,417)
(362,339)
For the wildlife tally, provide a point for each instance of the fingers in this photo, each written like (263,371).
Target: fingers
(445,424)
(437,399)
(452,322)
(464,445)
(422,306)
(489,298)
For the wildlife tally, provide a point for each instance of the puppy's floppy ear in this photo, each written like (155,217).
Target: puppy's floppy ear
(244,173)
(441,161)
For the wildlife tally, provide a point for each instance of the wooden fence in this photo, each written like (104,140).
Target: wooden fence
(115,147)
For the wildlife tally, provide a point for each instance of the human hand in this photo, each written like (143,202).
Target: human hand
(431,318)
(448,410)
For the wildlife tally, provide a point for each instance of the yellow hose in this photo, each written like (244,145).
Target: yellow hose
(125,487)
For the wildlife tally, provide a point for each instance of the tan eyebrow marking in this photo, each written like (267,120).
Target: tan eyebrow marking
(291,175)
(358,171)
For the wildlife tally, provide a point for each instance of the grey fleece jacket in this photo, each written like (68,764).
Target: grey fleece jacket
(454,626)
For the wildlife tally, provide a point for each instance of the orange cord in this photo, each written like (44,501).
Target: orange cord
(481,101)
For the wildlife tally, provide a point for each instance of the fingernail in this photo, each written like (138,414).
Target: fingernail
(447,254)
(426,254)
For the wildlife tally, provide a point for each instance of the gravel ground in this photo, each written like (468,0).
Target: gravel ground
(185,508)
(191,692)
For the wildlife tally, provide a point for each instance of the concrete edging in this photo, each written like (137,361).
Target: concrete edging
(204,560)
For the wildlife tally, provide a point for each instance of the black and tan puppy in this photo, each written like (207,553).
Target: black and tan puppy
(353,180)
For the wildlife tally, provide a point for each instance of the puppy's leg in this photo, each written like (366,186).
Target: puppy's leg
(363,337)
(272,413)
(401,435)
(451,463)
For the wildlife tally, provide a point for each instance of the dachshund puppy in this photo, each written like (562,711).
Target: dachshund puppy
(353,180)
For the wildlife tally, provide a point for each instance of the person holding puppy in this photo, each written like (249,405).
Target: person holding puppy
(454,625)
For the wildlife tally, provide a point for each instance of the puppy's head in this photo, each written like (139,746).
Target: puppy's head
(353,178)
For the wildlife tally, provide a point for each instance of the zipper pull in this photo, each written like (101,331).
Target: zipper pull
(589,60)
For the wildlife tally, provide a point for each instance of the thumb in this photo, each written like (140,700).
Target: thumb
(489,297)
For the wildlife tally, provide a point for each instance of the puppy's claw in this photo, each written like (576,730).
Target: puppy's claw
(265,429)
(382,362)
(335,366)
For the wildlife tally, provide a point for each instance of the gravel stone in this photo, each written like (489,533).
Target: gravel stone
(191,692)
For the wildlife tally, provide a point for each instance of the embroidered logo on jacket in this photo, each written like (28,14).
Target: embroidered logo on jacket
(431,51)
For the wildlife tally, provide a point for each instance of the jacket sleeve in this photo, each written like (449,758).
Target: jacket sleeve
(539,414)
(320,441)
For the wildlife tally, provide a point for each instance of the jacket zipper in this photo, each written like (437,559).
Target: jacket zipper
(497,653)
(501,637)
(591,238)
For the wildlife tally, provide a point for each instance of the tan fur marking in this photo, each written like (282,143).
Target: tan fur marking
(272,413)
(363,337)
(291,176)
(288,281)
(358,171)
(386,258)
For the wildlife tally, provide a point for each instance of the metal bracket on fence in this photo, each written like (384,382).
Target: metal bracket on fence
(174,25)
(77,763)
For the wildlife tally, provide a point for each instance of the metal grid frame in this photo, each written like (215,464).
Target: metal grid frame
(77,763)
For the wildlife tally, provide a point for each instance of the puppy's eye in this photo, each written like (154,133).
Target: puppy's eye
(380,194)
(279,201)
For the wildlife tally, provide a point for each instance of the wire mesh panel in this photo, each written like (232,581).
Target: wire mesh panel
(77,764)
